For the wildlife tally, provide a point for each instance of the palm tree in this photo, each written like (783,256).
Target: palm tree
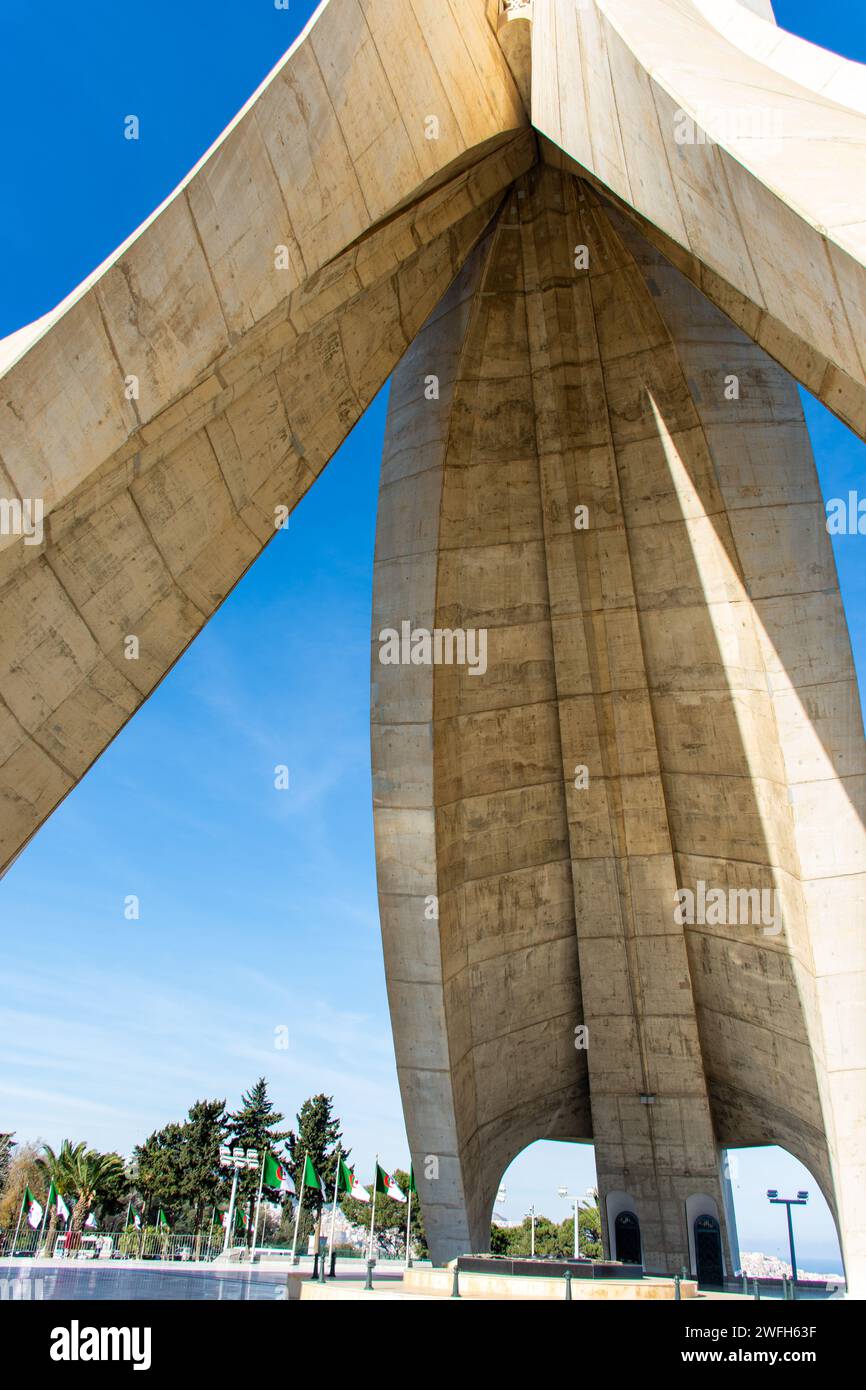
(57,1165)
(89,1173)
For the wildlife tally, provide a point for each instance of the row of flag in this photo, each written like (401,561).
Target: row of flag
(348,1185)
(34,1213)
(274,1175)
(32,1208)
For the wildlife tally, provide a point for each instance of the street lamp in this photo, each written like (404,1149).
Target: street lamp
(239,1159)
(788,1202)
(531,1215)
(569,1196)
(590,1194)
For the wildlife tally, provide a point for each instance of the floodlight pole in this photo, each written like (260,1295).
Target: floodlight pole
(236,1158)
(231,1211)
(788,1202)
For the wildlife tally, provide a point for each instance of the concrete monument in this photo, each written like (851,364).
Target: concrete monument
(618,756)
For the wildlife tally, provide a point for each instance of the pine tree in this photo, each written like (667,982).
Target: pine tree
(202,1178)
(254,1126)
(177,1168)
(7,1144)
(318,1135)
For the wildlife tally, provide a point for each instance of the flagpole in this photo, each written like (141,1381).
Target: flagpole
(300,1197)
(408,1219)
(45,1213)
(258,1204)
(373,1211)
(336,1194)
(18,1227)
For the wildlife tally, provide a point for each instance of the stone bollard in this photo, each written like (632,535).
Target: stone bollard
(322,1268)
(368,1284)
(455,1284)
(332,1273)
(568,1297)
(315,1273)
(756,1286)
(677,1293)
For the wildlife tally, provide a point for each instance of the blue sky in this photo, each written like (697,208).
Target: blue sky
(258,908)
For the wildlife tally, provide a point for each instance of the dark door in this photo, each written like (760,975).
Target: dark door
(626,1231)
(708,1250)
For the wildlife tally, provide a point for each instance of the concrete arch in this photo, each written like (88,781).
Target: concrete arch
(688,649)
(710,201)
(207,372)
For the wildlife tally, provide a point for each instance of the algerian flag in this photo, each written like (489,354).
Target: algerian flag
(91,1221)
(161,1220)
(32,1208)
(135,1219)
(55,1200)
(387,1186)
(277,1175)
(311,1177)
(349,1183)
(412,1188)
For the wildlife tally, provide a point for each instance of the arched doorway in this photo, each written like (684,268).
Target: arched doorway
(708,1250)
(626,1235)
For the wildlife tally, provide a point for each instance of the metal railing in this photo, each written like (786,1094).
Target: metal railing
(113,1245)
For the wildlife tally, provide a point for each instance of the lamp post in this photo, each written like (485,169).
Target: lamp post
(239,1159)
(590,1195)
(788,1202)
(531,1215)
(569,1196)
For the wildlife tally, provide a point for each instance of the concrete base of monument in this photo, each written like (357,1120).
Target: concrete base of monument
(503,1285)
(427,1283)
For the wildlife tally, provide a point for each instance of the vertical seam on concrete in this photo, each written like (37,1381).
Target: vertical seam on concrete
(277,181)
(397,105)
(113,349)
(339,127)
(212,278)
(433,64)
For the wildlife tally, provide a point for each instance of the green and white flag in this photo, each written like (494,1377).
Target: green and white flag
(349,1184)
(162,1221)
(277,1175)
(32,1209)
(55,1200)
(240,1218)
(311,1177)
(412,1188)
(387,1186)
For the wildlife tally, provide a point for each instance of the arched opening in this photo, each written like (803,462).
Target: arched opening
(709,1262)
(626,1238)
(541,1188)
(764,1244)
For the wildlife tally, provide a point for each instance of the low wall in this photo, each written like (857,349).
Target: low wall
(439,1282)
